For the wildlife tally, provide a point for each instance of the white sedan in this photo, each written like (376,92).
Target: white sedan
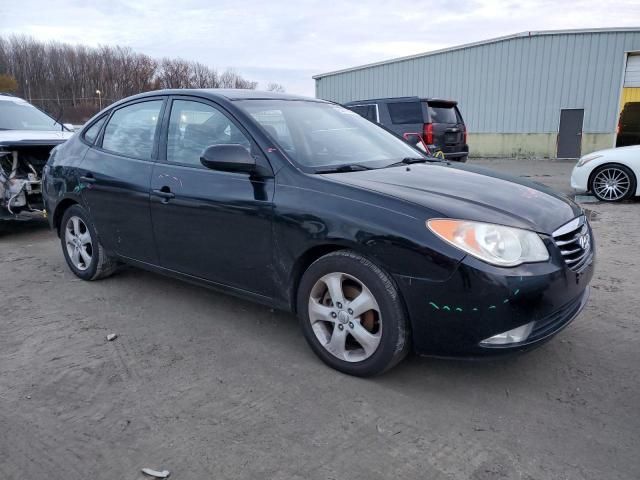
(611,175)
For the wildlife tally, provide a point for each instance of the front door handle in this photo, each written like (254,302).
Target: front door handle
(88,178)
(164,193)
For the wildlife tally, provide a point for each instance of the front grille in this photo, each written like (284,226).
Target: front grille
(575,243)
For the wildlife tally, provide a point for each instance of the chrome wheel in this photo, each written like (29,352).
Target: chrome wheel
(611,184)
(78,243)
(345,317)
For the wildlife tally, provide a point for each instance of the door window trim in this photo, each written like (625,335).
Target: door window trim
(154,152)
(164,134)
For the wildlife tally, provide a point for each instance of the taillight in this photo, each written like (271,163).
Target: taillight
(428,133)
(465,136)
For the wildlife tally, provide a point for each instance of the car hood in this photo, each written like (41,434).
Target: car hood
(33,137)
(470,193)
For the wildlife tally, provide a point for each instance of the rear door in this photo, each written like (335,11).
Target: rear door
(448,128)
(115,177)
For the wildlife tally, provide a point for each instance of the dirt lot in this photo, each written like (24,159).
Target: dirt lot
(209,386)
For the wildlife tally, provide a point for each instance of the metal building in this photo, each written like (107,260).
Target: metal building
(548,93)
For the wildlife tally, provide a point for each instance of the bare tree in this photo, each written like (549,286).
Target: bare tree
(52,75)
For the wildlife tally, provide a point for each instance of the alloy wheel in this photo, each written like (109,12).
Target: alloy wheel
(345,317)
(78,242)
(611,184)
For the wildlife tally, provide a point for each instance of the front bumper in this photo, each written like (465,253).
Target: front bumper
(479,301)
(580,179)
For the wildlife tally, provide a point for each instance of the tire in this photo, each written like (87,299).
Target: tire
(622,186)
(463,159)
(81,247)
(357,342)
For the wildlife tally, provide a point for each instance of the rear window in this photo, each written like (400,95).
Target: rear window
(443,113)
(369,111)
(405,112)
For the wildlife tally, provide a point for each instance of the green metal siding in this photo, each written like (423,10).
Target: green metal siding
(515,85)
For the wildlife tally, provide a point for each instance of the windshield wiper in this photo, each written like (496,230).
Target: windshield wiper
(410,160)
(350,167)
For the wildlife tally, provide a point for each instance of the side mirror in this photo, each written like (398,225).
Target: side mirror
(415,140)
(228,158)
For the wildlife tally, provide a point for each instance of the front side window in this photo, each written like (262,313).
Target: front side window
(194,126)
(324,135)
(131,130)
(370,112)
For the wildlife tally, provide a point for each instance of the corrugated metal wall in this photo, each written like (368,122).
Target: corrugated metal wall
(517,85)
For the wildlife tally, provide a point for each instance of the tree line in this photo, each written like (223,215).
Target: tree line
(59,77)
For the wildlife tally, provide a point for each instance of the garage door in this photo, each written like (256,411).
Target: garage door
(632,73)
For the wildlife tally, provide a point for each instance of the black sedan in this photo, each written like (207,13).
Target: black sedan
(305,206)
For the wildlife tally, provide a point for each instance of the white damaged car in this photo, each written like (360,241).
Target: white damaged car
(611,175)
(27,135)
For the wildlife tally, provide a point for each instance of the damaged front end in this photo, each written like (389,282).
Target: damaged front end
(21,167)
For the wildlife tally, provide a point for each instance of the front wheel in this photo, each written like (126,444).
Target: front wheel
(352,315)
(613,183)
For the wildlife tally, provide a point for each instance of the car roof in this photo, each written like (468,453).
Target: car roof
(226,94)
(404,99)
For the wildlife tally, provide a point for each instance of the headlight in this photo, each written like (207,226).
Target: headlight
(586,159)
(494,244)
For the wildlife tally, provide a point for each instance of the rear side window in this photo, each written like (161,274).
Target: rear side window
(442,113)
(405,112)
(131,130)
(369,111)
(92,132)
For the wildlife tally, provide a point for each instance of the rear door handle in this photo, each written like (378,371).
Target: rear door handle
(88,178)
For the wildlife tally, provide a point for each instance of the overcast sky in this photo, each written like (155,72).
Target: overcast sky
(288,42)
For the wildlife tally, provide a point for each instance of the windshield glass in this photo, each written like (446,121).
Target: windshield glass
(20,115)
(442,113)
(319,135)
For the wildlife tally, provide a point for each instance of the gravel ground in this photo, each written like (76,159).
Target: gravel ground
(209,386)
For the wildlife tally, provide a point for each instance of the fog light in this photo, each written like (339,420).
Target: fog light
(516,335)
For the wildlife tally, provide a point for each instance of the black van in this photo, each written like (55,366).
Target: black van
(437,121)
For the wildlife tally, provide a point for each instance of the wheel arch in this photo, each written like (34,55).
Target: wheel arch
(314,253)
(62,207)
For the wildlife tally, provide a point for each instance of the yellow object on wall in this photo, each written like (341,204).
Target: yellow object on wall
(629,94)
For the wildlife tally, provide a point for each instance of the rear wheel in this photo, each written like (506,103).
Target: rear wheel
(351,314)
(613,183)
(81,247)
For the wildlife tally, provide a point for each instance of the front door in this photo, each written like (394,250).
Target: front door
(570,133)
(210,224)
(115,178)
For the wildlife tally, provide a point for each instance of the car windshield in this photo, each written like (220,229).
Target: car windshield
(20,115)
(320,136)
